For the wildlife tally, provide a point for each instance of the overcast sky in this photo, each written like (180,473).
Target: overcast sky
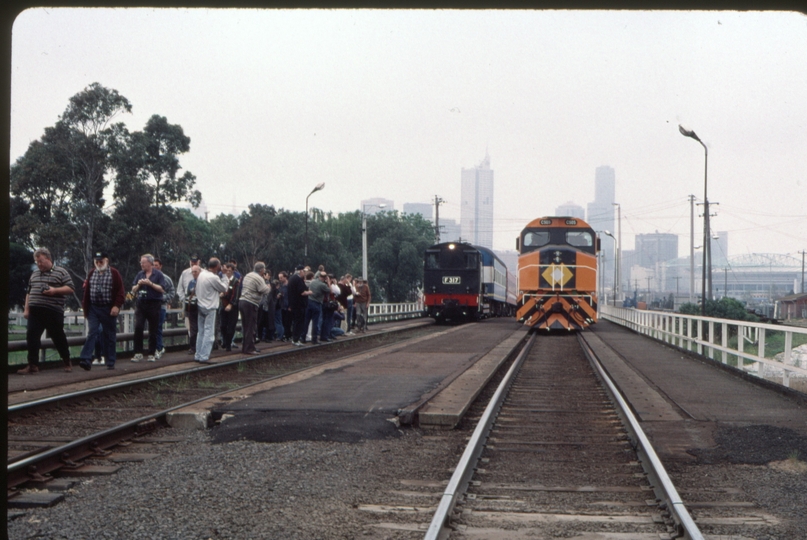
(394,104)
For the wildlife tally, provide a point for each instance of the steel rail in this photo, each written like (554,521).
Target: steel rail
(458,483)
(661,483)
(81,394)
(18,472)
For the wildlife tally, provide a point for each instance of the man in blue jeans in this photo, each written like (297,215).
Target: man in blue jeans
(319,290)
(103,297)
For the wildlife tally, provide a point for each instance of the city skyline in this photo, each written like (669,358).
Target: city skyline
(392,103)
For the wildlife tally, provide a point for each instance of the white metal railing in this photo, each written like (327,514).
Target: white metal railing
(394,312)
(700,334)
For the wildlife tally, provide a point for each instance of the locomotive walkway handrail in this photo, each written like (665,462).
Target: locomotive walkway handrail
(699,334)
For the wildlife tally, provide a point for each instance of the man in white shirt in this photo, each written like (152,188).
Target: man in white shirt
(208,287)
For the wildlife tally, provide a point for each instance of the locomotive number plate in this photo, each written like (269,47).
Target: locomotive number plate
(451,280)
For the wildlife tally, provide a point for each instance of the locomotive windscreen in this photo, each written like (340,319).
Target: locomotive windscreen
(533,239)
(452,259)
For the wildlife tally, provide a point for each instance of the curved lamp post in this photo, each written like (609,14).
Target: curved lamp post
(364,238)
(318,187)
(616,272)
(706,290)
(618,262)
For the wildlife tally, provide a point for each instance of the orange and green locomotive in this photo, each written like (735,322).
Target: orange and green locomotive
(557,274)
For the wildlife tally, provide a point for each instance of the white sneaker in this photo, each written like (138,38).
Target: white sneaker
(97,362)
(137,358)
(151,358)
(159,354)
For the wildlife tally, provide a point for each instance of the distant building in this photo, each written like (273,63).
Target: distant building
(376,205)
(656,248)
(720,250)
(476,212)
(601,216)
(424,209)
(572,210)
(449,230)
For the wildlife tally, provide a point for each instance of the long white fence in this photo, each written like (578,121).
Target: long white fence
(739,343)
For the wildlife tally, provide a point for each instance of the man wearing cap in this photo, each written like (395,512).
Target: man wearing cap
(44,309)
(103,298)
(182,289)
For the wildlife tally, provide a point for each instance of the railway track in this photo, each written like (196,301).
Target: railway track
(57,434)
(551,455)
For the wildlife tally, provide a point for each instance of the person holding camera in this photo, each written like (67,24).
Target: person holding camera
(44,309)
(149,289)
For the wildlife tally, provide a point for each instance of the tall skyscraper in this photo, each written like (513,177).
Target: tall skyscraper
(601,216)
(476,212)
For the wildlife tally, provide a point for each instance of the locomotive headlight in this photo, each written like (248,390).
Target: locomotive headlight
(452,246)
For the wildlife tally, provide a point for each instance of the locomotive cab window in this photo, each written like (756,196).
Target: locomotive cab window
(579,238)
(471,260)
(432,260)
(536,238)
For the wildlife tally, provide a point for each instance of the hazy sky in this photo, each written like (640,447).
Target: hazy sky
(394,104)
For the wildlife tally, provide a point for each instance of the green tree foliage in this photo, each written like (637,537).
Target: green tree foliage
(57,199)
(148,161)
(57,187)
(396,244)
(20,263)
(725,308)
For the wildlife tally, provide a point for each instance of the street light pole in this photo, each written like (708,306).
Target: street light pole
(616,253)
(364,238)
(618,279)
(707,248)
(305,249)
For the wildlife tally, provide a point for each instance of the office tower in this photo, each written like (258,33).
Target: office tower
(601,216)
(656,248)
(570,209)
(476,212)
(424,209)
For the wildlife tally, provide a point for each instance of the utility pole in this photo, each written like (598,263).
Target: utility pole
(691,248)
(437,201)
(802,271)
(618,262)
(676,284)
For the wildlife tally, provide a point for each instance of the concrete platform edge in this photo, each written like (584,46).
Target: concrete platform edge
(447,408)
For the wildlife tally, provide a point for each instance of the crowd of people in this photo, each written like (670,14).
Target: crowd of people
(301,307)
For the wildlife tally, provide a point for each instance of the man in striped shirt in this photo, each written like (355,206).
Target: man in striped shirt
(44,309)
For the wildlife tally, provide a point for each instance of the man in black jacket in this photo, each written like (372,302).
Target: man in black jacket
(298,301)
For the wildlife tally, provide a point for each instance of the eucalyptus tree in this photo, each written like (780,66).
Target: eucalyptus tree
(58,186)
